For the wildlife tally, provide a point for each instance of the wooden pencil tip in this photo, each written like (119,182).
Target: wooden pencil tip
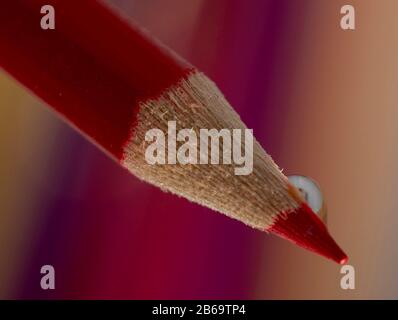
(305,229)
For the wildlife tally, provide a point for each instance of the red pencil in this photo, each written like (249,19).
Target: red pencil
(114,84)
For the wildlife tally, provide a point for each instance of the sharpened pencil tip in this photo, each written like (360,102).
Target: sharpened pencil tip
(304,228)
(344,260)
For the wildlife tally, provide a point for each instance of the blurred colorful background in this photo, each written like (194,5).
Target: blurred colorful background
(322,101)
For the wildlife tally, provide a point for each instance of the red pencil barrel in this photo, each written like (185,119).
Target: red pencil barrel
(93,68)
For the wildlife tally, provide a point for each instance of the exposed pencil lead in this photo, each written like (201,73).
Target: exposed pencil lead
(305,229)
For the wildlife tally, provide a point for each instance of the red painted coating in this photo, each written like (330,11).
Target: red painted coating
(93,68)
(305,229)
